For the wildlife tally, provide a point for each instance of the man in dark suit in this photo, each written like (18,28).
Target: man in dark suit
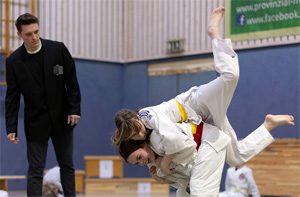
(43,71)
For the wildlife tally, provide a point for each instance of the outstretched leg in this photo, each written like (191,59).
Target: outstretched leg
(273,121)
(214,23)
(211,101)
(243,150)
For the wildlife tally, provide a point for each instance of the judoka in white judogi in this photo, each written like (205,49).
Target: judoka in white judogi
(238,181)
(207,103)
(53,176)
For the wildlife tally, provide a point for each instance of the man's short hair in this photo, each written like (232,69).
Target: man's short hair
(25,19)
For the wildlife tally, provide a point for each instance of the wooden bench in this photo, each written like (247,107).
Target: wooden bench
(276,169)
(79,180)
(124,186)
(92,165)
(3,180)
(117,184)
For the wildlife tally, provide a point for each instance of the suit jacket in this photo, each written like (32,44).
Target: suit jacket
(49,99)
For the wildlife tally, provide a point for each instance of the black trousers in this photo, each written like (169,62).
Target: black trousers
(36,156)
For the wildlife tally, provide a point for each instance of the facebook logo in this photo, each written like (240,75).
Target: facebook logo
(240,19)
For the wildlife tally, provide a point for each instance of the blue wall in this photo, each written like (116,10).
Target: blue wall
(269,83)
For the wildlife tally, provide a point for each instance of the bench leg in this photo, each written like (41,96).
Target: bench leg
(3,184)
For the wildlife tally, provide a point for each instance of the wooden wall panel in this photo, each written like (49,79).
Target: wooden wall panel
(276,169)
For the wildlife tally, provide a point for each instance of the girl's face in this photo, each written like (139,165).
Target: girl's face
(142,156)
(142,133)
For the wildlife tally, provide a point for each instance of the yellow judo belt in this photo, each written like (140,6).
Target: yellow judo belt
(237,189)
(196,129)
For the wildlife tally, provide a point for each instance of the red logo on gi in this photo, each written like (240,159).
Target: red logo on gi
(242,176)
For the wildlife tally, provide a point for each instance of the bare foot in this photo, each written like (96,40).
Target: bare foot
(273,121)
(214,23)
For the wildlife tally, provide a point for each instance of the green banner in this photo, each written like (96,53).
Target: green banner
(254,19)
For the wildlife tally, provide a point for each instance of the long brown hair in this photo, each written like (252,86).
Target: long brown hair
(49,190)
(128,124)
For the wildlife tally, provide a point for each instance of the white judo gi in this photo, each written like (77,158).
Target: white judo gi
(207,103)
(238,181)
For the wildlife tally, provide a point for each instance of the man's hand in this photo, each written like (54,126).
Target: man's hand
(73,119)
(12,137)
(158,179)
